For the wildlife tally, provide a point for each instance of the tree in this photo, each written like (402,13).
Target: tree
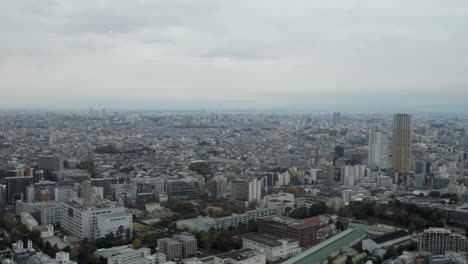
(317,209)
(128,235)
(120,232)
(390,252)
(294,190)
(339,225)
(34,235)
(136,243)
(300,213)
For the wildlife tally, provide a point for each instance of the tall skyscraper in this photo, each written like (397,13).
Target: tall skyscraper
(378,149)
(402,146)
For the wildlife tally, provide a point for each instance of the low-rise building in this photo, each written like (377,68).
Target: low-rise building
(285,227)
(241,256)
(274,248)
(379,244)
(126,255)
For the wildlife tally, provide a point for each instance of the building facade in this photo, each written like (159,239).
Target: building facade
(378,149)
(402,145)
(440,240)
(285,227)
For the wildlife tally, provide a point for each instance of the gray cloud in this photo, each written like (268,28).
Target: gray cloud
(246,53)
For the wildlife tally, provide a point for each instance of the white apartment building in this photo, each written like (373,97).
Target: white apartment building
(378,149)
(440,240)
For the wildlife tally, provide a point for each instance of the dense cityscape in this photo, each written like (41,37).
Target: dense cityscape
(201,187)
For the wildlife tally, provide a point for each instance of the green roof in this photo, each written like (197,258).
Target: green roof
(321,251)
(340,241)
(368,228)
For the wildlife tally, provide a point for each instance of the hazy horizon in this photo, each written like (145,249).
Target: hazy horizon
(356,56)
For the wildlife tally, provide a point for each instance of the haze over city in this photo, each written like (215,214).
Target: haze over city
(316,55)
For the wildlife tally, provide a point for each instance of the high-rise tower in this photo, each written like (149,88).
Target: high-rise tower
(402,146)
(378,149)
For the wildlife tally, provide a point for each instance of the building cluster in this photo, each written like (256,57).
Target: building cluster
(99,174)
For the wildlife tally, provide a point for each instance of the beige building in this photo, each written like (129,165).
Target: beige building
(246,190)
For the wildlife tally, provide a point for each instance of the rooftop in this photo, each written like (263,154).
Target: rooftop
(241,254)
(390,236)
(321,251)
(291,222)
(264,239)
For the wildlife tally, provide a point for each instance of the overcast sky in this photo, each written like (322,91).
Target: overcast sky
(371,55)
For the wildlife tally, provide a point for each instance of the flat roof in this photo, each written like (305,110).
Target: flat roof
(370,228)
(263,239)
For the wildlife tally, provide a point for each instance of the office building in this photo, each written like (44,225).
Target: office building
(378,150)
(339,152)
(16,188)
(50,163)
(440,240)
(65,193)
(285,227)
(106,184)
(93,222)
(402,145)
(246,190)
(44,191)
(181,190)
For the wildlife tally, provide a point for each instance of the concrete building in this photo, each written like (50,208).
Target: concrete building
(378,149)
(178,247)
(189,244)
(241,256)
(90,222)
(402,146)
(275,249)
(285,227)
(246,190)
(278,200)
(44,212)
(171,248)
(238,219)
(126,255)
(28,220)
(440,240)
(65,193)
